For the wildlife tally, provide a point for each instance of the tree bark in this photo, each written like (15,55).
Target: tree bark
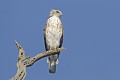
(26,61)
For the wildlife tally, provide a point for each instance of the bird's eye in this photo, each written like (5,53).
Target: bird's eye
(57,11)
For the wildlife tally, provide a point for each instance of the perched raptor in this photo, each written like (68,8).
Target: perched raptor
(53,37)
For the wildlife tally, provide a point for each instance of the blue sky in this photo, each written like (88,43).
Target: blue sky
(91,38)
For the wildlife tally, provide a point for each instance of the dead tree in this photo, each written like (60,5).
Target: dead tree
(26,61)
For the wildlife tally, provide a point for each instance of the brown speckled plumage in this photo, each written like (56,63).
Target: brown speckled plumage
(53,37)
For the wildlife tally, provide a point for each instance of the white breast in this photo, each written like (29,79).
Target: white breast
(53,32)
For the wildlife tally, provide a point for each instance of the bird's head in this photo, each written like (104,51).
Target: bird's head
(57,13)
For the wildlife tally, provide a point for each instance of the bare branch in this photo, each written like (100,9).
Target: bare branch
(44,54)
(24,61)
(21,72)
(21,51)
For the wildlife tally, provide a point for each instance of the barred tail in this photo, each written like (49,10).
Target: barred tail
(52,65)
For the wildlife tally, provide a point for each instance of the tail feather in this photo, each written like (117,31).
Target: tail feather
(52,66)
(52,61)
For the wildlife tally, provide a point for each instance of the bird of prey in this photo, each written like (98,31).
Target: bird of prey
(53,37)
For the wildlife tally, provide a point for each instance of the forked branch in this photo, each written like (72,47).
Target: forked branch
(24,61)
